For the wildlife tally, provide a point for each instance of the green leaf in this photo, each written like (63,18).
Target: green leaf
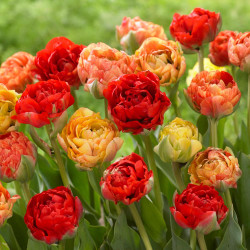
(36,245)
(241,195)
(83,240)
(156,227)
(233,236)
(243,143)
(203,128)
(97,233)
(50,176)
(177,242)
(8,234)
(94,179)
(3,244)
(124,237)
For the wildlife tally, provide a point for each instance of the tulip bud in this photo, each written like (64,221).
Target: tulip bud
(18,157)
(179,141)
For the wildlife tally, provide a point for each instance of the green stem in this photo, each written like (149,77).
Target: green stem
(20,201)
(200,58)
(174,97)
(59,159)
(201,241)
(140,226)
(248,107)
(177,173)
(106,108)
(26,191)
(62,245)
(228,198)
(151,160)
(73,92)
(213,131)
(117,208)
(192,239)
(91,178)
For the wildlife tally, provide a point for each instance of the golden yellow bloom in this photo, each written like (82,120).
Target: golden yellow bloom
(178,141)
(208,66)
(164,58)
(215,167)
(90,140)
(8,99)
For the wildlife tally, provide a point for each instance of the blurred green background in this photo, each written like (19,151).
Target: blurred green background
(28,25)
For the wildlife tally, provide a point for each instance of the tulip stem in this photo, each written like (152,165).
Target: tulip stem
(151,160)
(248,107)
(73,93)
(192,239)
(200,58)
(140,226)
(201,240)
(213,131)
(19,192)
(27,194)
(61,245)
(106,107)
(174,97)
(228,198)
(59,159)
(177,173)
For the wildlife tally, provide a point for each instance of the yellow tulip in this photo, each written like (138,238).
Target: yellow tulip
(178,141)
(90,140)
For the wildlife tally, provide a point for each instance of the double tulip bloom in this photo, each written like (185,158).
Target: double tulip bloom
(16,71)
(136,102)
(193,30)
(127,180)
(215,167)
(139,29)
(199,208)
(90,140)
(239,51)
(219,48)
(178,141)
(59,61)
(8,99)
(99,64)
(6,204)
(164,58)
(43,102)
(53,215)
(214,94)
(18,157)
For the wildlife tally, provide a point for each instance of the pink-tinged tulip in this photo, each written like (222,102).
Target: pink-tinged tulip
(164,58)
(215,167)
(18,157)
(99,64)
(239,51)
(199,208)
(6,204)
(16,71)
(213,93)
(127,180)
(139,29)
(219,48)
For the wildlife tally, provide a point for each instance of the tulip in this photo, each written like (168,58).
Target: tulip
(90,140)
(164,58)
(18,157)
(215,167)
(178,141)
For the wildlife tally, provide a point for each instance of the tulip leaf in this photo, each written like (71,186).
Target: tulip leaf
(233,236)
(156,228)
(3,244)
(243,142)
(240,195)
(83,239)
(35,244)
(177,242)
(124,237)
(50,176)
(203,128)
(8,234)
(94,179)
